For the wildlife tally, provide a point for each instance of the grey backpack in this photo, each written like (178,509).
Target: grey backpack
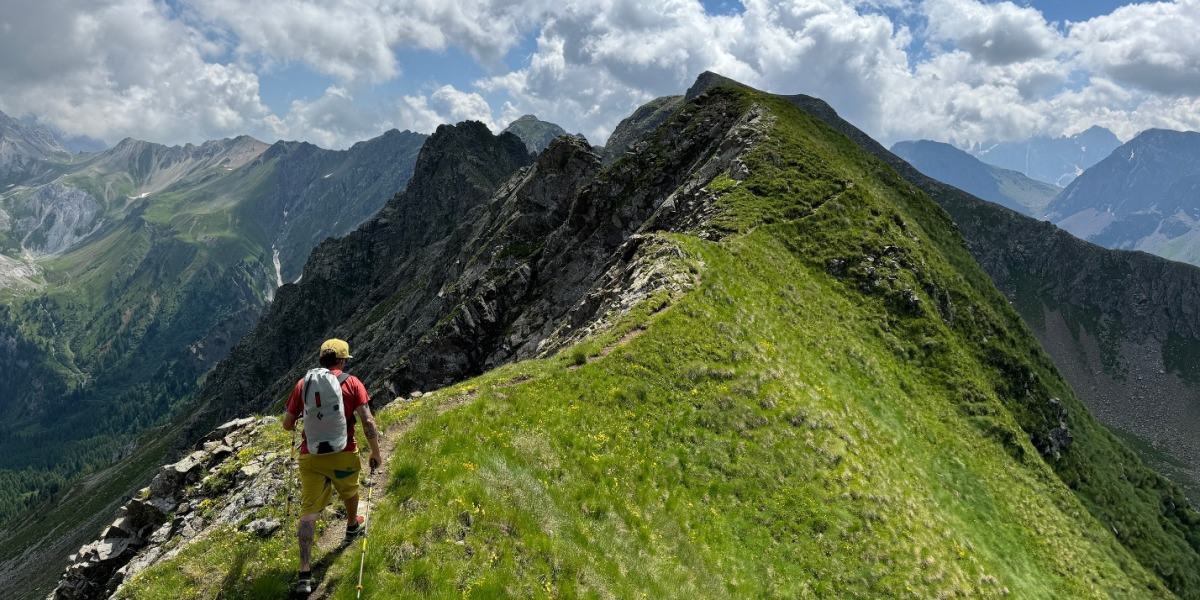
(324,416)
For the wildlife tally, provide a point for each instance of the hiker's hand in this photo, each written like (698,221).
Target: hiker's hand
(375,461)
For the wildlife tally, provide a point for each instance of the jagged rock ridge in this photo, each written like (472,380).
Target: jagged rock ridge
(172,508)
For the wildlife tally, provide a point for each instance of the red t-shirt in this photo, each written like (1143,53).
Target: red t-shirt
(354,395)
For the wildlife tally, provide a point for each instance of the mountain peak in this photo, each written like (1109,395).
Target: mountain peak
(708,80)
(27,141)
(536,133)
(1141,196)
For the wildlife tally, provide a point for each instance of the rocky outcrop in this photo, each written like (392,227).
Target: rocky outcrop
(645,119)
(221,483)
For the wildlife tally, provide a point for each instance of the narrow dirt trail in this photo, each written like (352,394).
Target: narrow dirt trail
(331,542)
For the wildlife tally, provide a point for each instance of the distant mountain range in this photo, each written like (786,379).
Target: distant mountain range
(1056,160)
(1005,187)
(21,146)
(1144,196)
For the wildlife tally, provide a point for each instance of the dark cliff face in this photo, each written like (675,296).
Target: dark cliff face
(645,119)
(456,171)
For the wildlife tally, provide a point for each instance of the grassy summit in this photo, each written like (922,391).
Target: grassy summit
(841,406)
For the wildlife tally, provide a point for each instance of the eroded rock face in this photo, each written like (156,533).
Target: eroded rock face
(208,488)
(60,216)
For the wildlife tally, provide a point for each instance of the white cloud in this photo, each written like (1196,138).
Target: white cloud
(355,41)
(332,121)
(1152,46)
(424,113)
(999,34)
(594,65)
(120,68)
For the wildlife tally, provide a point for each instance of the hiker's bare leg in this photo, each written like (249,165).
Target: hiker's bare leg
(307,530)
(351,510)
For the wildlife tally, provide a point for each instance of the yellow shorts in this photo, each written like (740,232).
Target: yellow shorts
(321,474)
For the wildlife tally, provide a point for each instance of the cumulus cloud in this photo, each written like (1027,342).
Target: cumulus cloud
(445,105)
(1151,46)
(334,120)
(999,34)
(595,64)
(355,41)
(120,68)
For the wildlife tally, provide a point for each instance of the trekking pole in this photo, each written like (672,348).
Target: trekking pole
(366,523)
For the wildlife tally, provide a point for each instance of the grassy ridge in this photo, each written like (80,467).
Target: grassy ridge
(844,407)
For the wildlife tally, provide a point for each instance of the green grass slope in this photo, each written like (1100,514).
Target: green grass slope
(842,407)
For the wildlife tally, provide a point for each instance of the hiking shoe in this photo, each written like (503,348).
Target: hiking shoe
(353,533)
(304,585)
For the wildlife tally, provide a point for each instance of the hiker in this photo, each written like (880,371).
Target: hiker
(328,453)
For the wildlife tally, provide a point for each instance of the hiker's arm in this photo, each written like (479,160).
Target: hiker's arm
(294,403)
(371,431)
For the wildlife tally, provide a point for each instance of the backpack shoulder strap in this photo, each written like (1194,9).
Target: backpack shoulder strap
(304,388)
(343,377)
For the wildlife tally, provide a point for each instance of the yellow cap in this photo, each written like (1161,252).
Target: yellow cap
(339,348)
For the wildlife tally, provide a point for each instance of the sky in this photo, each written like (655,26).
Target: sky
(334,72)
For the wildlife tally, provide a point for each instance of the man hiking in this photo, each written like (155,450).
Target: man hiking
(329,454)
